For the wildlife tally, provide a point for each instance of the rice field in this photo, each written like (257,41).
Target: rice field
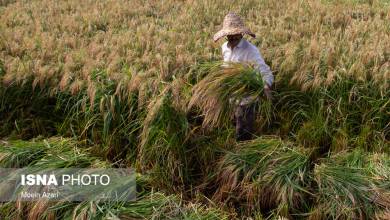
(139,84)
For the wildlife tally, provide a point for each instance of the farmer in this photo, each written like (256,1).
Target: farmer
(237,49)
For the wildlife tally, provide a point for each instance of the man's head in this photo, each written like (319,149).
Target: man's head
(234,39)
(232,25)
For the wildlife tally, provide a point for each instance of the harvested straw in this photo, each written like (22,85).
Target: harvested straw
(222,85)
(350,186)
(268,174)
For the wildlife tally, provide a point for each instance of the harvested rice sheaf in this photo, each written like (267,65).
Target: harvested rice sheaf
(352,185)
(266,173)
(223,85)
(54,152)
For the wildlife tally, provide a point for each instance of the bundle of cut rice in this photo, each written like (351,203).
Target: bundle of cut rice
(223,86)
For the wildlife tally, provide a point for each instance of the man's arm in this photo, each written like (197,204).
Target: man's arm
(263,68)
(265,72)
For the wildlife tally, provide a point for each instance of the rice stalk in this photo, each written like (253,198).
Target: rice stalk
(21,153)
(54,152)
(224,84)
(266,173)
(162,150)
(160,206)
(153,205)
(347,187)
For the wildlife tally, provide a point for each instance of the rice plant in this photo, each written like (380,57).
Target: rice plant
(267,173)
(224,85)
(21,153)
(152,205)
(110,119)
(347,189)
(55,152)
(123,78)
(27,112)
(155,205)
(162,149)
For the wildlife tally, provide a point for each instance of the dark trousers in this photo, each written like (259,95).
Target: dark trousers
(245,117)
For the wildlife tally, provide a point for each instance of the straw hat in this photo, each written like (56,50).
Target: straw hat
(232,24)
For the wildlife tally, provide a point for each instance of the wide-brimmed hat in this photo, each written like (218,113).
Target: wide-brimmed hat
(232,24)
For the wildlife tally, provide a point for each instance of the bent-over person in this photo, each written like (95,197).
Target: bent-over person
(238,49)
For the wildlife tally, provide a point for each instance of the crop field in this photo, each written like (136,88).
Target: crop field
(128,83)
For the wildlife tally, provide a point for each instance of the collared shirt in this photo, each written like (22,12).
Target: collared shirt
(247,52)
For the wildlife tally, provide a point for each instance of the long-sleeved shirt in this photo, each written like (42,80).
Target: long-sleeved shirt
(247,52)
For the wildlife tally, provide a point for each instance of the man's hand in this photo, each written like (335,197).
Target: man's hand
(268,92)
